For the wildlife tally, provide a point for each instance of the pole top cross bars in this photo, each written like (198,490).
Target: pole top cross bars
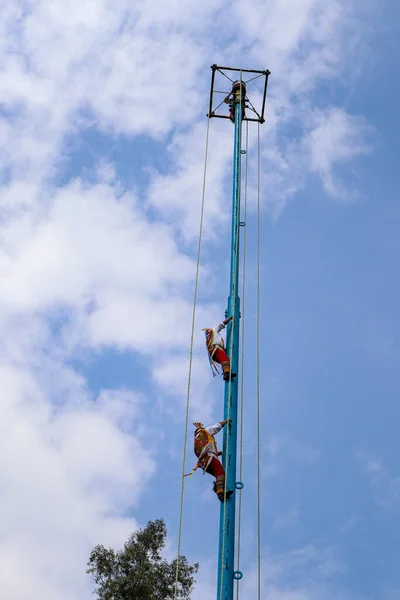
(238,85)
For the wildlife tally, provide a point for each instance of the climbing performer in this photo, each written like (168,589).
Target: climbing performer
(232,97)
(216,350)
(205,448)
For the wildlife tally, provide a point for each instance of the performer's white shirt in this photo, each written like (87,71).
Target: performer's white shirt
(210,451)
(217,339)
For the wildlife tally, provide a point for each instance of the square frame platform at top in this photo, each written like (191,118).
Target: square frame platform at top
(212,113)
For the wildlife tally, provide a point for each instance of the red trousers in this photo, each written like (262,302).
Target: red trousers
(221,357)
(215,468)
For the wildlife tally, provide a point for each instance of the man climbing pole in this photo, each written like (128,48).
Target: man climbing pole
(235,96)
(205,448)
(216,350)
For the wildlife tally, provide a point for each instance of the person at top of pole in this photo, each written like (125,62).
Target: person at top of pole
(234,98)
(205,448)
(216,350)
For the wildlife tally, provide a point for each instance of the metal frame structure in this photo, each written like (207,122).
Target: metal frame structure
(226,558)
(212,112)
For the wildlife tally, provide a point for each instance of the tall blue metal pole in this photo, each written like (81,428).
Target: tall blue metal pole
(226,569)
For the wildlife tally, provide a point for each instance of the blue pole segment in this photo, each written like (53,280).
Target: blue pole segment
(226,558)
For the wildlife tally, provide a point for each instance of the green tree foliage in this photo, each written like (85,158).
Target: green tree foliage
(139,572)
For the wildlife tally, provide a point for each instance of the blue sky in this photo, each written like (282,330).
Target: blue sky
(102,130)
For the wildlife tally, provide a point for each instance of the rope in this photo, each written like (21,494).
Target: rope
(258,373)
(191,357)
(231,345)
(242,362)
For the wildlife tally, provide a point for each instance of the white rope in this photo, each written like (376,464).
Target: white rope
(191,358)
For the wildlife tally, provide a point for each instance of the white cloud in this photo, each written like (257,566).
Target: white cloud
(94,248)
(385,486)
(177,196)
(335,139)
(66,473)
(303,44)
(171,375)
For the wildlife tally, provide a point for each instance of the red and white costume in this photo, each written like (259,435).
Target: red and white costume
(206,451)
(208,460)
(216,348)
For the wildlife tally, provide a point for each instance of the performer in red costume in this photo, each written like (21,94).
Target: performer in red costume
(216,350)
(205,448)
